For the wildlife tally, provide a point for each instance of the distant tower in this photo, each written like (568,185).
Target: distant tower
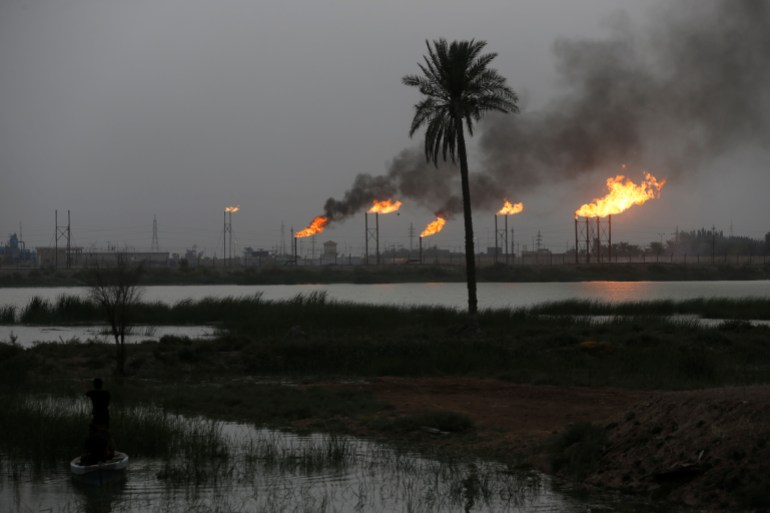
(62,232)
(154,247)
(411,236)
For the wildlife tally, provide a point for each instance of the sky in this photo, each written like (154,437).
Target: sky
(124,111)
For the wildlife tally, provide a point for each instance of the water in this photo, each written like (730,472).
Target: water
(453,295)
(26,335)
(491,295)
(271,471)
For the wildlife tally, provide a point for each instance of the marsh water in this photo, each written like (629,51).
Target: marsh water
(300,473)
(271,471)
(491,295)
(452,295)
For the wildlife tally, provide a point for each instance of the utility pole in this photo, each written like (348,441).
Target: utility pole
(154,246)
(513,245)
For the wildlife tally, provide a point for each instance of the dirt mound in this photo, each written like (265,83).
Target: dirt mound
(706,447)
(709,449)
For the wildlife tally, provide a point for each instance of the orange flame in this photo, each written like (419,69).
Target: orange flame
(510,208)
(384,207)
(623,195)
(236,208)
(434,227)
(317,226)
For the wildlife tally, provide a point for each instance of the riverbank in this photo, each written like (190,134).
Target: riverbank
(590,401)
(701,451)
(721,269)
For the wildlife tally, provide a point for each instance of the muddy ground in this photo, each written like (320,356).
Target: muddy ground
(704,449)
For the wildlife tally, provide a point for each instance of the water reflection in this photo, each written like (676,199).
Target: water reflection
(26,335)
(269,471)
(491,295)
(99,494)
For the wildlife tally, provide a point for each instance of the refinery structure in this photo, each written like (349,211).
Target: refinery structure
(593,241)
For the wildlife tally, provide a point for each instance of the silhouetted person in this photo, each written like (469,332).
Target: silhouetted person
(98,446)
(100,400)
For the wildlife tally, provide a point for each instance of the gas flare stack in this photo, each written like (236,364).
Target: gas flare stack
(228,222)
(501,235)
(432,229)
(372,234)
(622,194)
(378,207)
(590,237)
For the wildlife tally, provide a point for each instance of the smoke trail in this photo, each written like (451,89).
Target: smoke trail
(365,189)
(692,85)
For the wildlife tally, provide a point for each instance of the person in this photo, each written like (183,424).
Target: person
(100,402)
(98,446)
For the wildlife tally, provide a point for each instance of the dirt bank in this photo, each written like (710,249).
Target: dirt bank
(707,449)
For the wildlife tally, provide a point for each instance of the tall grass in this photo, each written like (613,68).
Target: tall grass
(317,310)
(50,428)
(7,314)
(639,345)
(65,309)
(709,308)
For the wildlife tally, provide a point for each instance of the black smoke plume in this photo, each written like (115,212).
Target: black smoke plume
(694,84)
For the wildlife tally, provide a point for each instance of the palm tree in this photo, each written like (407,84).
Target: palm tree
(458,87)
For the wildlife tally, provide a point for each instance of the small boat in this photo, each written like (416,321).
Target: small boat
(118,462)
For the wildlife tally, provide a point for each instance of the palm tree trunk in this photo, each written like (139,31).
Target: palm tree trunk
(470,256)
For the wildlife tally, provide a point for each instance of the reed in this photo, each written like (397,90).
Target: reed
(7,314)
(637,345)
(51,428)
(316,310)
(709,308)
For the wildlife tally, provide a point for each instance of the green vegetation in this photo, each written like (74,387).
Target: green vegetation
(707,308)
(48,428)
(635,346)
(554,269)
(263,365)
(458,87)
(252,314)
(7,314)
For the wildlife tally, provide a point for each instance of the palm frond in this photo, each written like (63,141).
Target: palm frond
(457,84)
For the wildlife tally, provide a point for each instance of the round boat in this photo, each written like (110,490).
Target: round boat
(118,462)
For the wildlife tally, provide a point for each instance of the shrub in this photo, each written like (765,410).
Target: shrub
(578,451)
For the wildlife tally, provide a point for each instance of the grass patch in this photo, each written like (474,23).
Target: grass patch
(707,308)
(314,310)
(313,336)
(47,428)
(265,403)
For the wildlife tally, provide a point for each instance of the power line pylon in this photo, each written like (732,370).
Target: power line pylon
(62,232)
(155,246)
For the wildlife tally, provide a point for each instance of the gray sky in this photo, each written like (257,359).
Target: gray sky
(121,110)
